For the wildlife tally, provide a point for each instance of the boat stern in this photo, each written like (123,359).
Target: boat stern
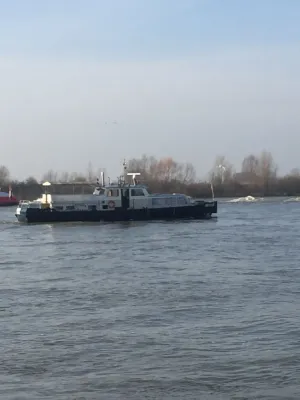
(212,206)
(209,207)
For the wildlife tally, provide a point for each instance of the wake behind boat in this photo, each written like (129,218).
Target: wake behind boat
(121,201)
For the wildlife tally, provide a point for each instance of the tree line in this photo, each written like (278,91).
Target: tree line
(258,176)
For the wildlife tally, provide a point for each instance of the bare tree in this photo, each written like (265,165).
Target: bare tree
(64,177)
(188,173)
(267,170)
(31,181)
(250,164)
(76,177)
(90,173)
(222,171)
(50,176)
(152,168)
(295,172)
(4,175)
(163,170)
(141,165)
(267,166)
(81,178)
(146,166)
(167,169)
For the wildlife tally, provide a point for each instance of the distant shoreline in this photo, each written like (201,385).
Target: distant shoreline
(258,177)
(31,191)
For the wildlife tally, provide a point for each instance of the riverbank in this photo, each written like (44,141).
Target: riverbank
(31,191)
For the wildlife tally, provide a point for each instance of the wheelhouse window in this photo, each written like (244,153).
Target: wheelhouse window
(137,192)
(113,193)
(99,191)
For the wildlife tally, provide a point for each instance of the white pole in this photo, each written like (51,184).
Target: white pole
(223,169)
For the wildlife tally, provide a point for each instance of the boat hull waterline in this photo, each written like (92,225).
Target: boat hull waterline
(8,203)
(47,215)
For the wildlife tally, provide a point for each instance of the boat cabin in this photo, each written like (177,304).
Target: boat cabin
(137,197)
(123,196)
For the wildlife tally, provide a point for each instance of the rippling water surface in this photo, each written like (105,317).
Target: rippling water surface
(164,310)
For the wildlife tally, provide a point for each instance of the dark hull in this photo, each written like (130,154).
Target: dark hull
(8,203)
(200,211)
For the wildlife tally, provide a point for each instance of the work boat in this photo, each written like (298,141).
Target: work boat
(114,202)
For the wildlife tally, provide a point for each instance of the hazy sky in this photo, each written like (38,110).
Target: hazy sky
(101,80)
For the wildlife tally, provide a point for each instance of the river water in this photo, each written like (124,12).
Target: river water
(159,310)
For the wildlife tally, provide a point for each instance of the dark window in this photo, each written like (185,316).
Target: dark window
(137,192)
(69,208)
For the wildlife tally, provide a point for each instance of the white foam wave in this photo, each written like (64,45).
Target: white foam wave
(246,199)
(292,199)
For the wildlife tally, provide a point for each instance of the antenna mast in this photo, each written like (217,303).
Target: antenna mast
(124,172)
(134,174)
(102,179)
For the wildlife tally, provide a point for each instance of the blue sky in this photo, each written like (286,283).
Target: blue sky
(216,76)
(143,28)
